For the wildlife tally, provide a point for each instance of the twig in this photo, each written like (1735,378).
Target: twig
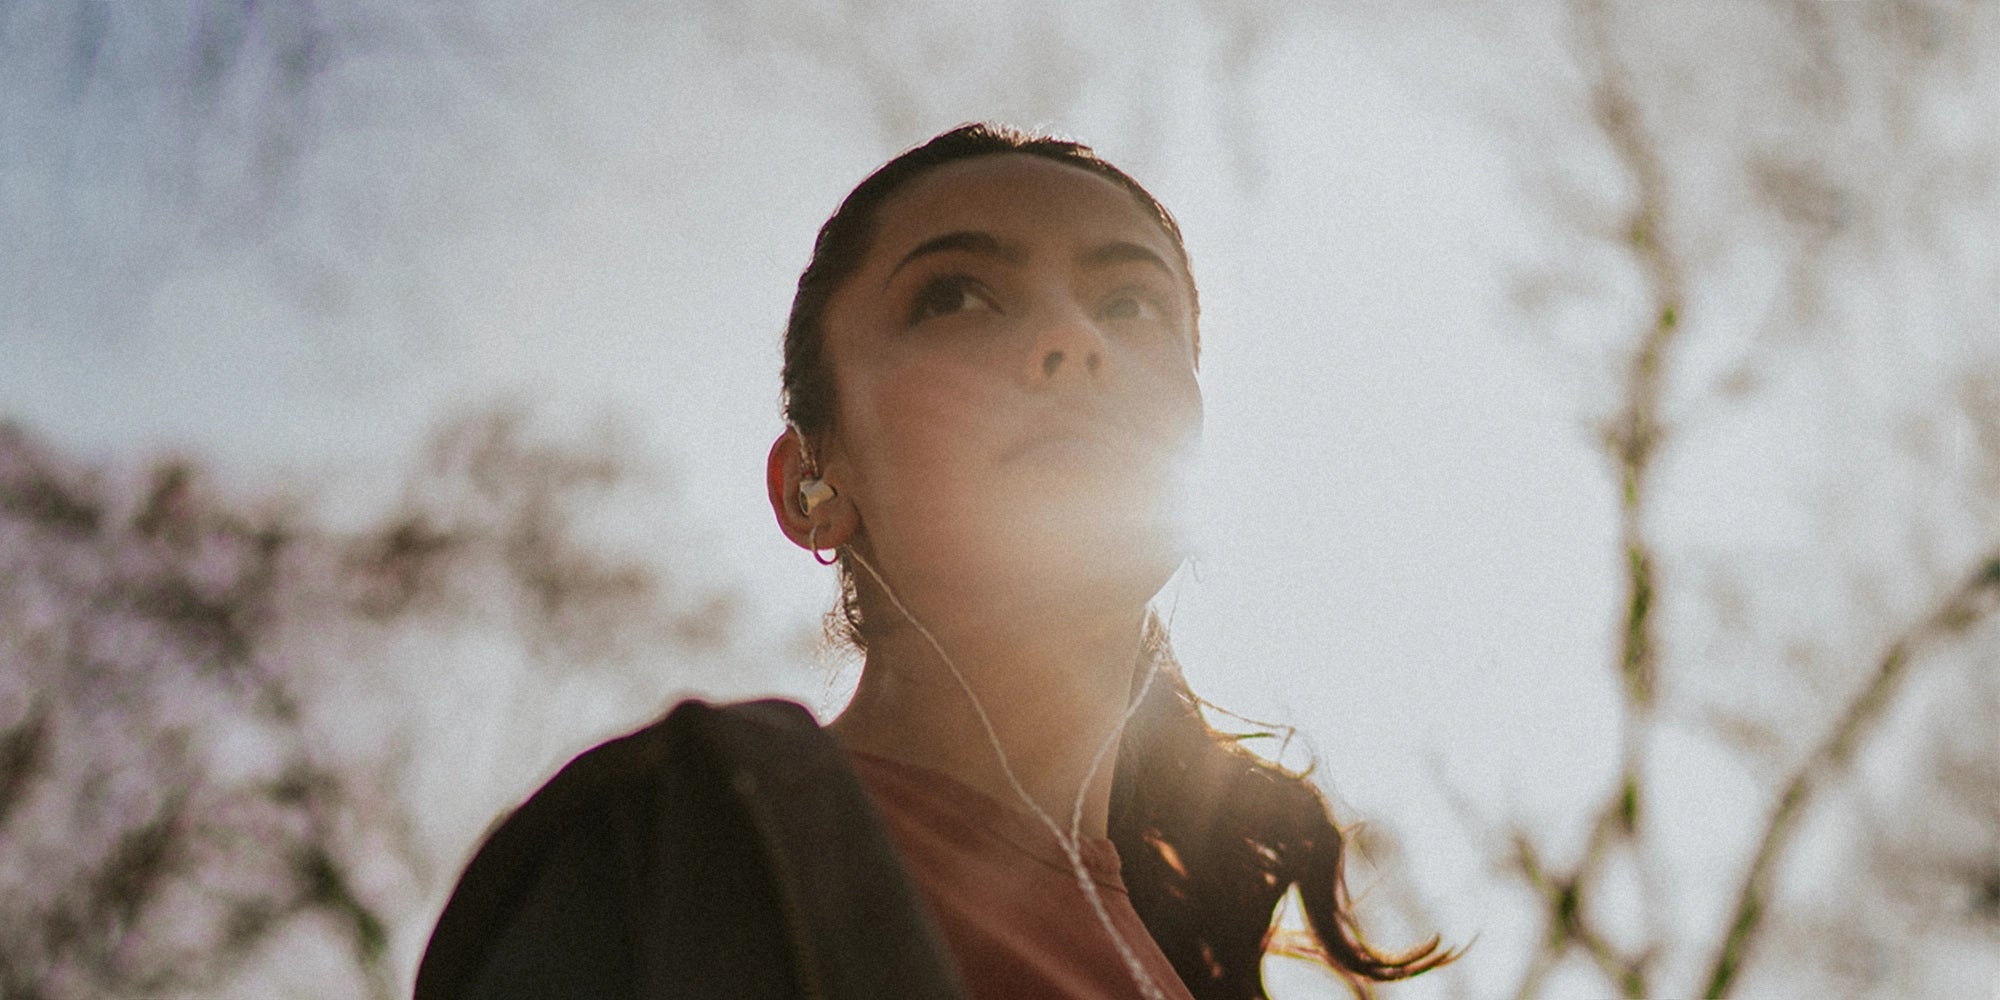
(1633,437)
(1569,926)
(1975,598)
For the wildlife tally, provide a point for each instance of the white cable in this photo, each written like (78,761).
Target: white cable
(1071,843)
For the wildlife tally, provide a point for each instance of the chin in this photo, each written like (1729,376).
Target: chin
(1099,549)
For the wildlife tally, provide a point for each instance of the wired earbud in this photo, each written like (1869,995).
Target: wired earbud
(812,493)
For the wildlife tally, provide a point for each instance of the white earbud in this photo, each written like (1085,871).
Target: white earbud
(812,493)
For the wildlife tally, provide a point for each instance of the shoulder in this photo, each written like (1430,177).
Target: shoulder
(722,851)
(695,743)
(695,735)
(693,726)
(592,846)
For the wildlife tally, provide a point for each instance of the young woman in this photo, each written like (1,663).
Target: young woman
(989,393)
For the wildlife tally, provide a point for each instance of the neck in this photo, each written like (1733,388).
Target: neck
(1054,692)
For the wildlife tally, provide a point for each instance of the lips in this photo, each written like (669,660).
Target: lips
(1091,433)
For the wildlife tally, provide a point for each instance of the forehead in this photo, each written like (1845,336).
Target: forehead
(1015,196)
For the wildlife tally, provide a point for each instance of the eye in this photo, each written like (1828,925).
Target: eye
(1134,304)
(947,295)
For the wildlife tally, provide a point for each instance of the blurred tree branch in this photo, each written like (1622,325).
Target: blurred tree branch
(1666,220)
(1633,439)
(1973,600)
(177,791)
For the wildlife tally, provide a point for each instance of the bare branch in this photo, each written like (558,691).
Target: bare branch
(1632,438)
(1975,598)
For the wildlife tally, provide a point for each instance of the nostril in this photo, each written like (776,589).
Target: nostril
(1052,362)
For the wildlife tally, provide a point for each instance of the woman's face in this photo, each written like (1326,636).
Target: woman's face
(1015,373)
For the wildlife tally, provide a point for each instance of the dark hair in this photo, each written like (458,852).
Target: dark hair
(1210,836)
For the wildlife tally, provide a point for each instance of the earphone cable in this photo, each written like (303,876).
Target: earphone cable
(1071,842)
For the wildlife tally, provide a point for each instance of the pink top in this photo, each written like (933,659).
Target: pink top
(1004,895)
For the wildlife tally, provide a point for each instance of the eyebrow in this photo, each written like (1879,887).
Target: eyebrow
(986,244)
(965,240)
(1122,252)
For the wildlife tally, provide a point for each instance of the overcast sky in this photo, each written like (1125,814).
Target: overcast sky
(1405,536)
(1408,536)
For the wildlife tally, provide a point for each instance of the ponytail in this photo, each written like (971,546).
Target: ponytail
(1210,837)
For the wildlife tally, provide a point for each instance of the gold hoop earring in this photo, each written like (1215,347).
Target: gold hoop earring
(812,542)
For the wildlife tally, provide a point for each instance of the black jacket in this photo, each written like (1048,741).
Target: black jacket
(722,852)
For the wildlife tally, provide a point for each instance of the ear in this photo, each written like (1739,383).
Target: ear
(784,470)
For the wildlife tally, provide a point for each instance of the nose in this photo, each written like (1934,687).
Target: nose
(1052,362)
(1067,345)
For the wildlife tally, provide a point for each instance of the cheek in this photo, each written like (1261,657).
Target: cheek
(1172,401)
(914,425)
(1189,405)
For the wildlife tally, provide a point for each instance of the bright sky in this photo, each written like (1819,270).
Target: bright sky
(1408,545)
(1405,536)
